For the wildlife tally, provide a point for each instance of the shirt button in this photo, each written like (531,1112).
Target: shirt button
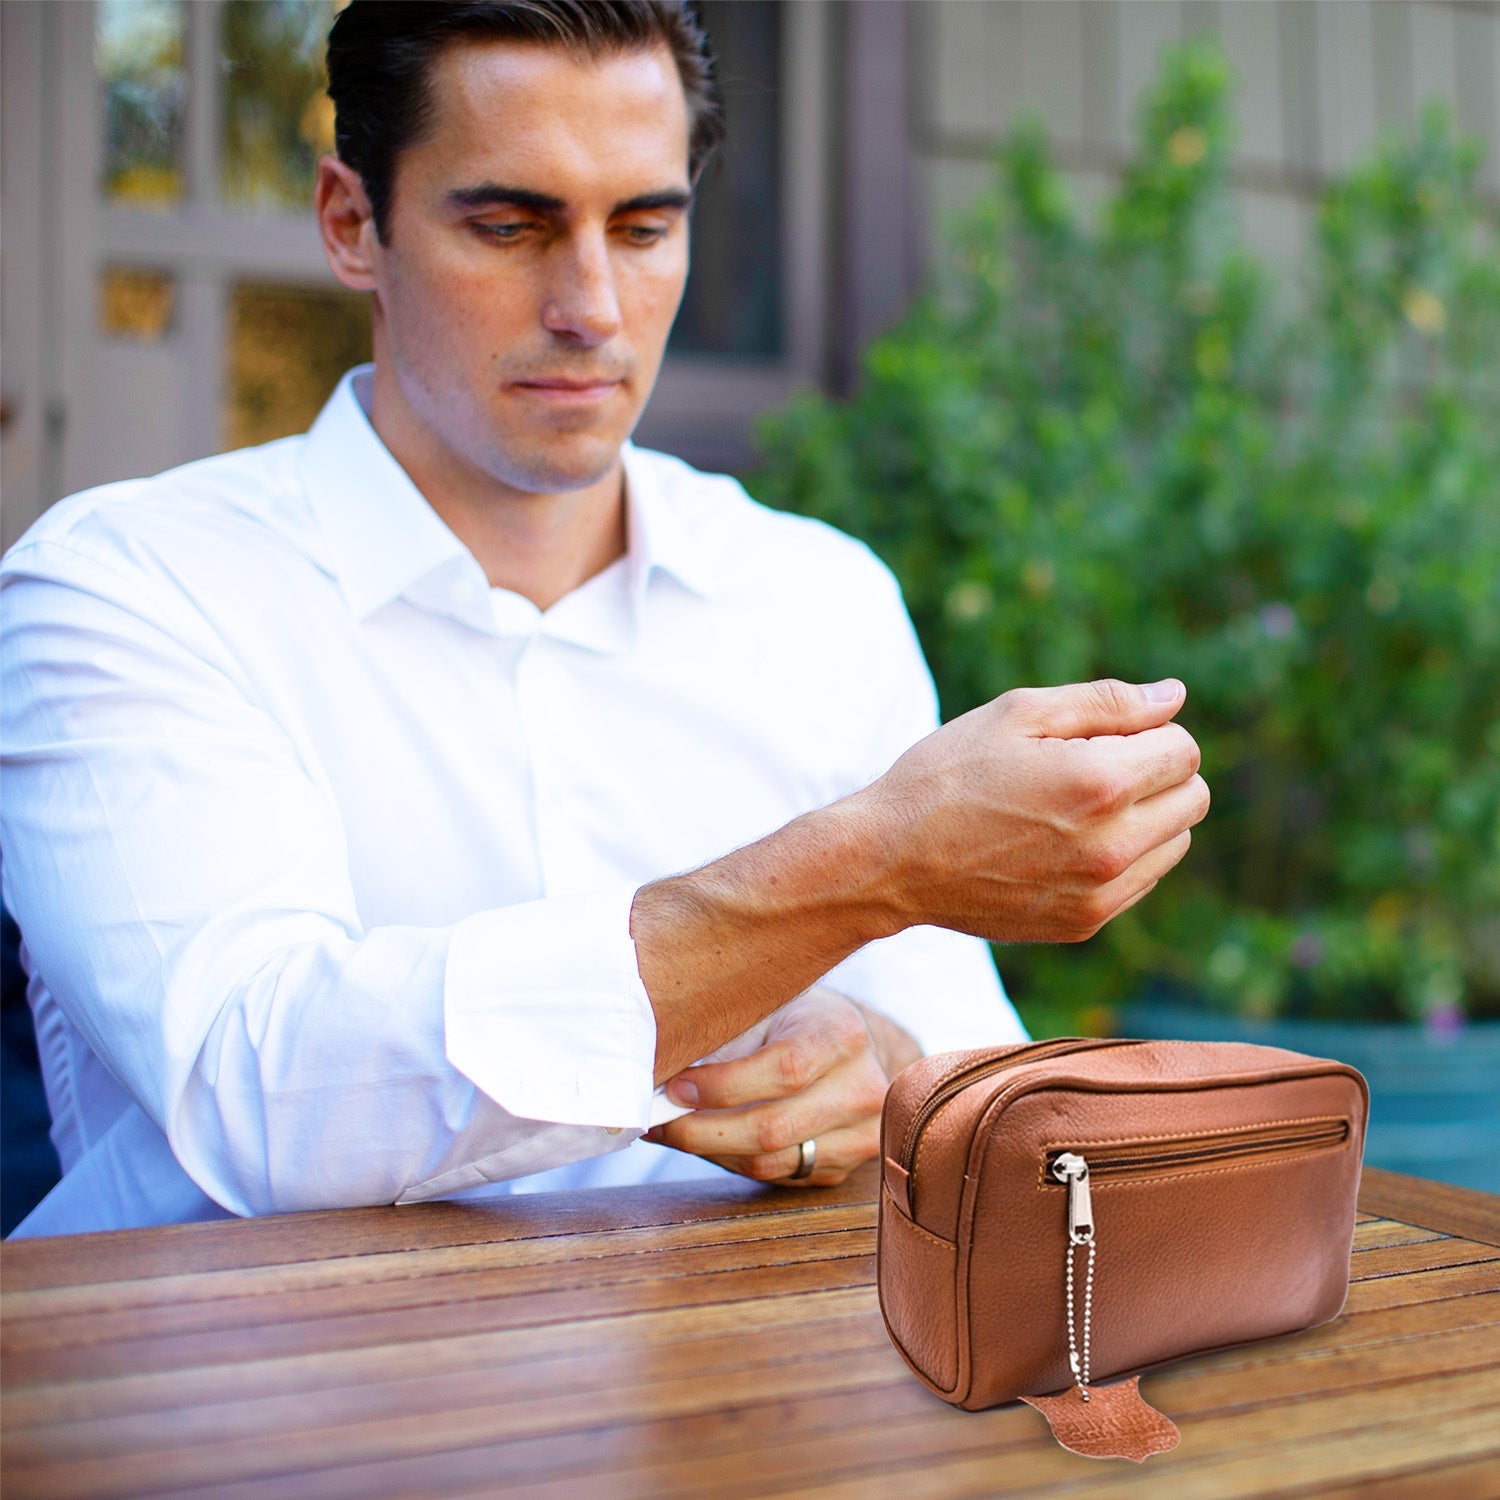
(613,1129)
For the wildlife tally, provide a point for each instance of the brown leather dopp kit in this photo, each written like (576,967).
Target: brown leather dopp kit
(1058,1213)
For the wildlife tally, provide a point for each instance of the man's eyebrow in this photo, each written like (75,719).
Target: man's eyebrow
(496,195)
(667,198)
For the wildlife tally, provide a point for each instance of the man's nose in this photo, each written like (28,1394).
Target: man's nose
(582,302)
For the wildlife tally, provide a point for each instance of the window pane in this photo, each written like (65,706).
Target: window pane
(138,55)
(288,346)
(733,300)
(136,304)
(277,120)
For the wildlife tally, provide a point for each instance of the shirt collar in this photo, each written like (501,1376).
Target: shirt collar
(385,541)
(383,538)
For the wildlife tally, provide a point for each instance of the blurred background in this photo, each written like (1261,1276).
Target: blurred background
(1139,336)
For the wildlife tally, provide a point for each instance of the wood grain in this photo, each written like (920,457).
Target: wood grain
(677,1341)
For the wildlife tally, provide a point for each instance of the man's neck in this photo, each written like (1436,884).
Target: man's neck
(539,546)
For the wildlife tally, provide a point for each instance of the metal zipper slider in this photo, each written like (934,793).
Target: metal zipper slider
(1072,1169)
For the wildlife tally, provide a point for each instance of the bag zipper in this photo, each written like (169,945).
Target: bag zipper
(956,1083)
(1129,1158)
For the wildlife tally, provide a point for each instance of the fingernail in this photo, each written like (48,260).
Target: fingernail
(683,1091)
(1165,691)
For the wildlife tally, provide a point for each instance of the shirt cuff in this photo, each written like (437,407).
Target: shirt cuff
(544,1011)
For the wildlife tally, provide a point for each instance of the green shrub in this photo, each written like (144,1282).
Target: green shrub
(1130,450)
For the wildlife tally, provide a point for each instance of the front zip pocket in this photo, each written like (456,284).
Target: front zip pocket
(1145,1157)
(1075,1169)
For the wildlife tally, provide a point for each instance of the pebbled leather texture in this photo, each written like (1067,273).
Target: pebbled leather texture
(1205,1251)
(1115,1422)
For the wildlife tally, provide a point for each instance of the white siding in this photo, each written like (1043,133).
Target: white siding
(1318,80)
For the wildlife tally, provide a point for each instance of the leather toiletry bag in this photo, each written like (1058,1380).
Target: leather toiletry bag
(1173,1197)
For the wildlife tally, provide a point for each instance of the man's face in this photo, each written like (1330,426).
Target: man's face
(538,247)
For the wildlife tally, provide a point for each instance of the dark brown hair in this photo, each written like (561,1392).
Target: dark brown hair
(380,56)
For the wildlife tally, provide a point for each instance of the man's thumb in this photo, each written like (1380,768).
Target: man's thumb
(1083,709)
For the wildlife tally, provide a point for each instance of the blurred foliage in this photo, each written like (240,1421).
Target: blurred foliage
(1132,451)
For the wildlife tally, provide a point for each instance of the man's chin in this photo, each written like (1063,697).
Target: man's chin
(559,463)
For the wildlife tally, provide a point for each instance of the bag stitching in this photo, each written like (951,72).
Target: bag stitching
(936,1238)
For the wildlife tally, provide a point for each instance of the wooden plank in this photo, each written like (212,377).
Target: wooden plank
(342,1275)
(167,1351)
(1454,1363)
(1403,1260)
(1370,1234)
(776,1443)
(377,1271)
(1285,1372)
(170,1349)
(650,1337)
(1471,1479)
(615,1450)
(1246,1453)
(280,1239)
(365,1487)
(1433,1205)
(144,1473)
(664,1332)
(191,1428)
(230,1409)
(645,1332)
(468,1289)
(1422,1286)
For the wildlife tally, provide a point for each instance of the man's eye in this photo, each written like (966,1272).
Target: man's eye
(509,231)
(644,234)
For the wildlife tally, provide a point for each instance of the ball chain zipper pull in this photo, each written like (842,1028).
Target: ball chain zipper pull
(1120,1423)
(1073,1169)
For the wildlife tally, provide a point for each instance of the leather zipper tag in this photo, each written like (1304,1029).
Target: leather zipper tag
(1115,1422)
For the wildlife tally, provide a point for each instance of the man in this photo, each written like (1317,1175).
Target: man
(347,777)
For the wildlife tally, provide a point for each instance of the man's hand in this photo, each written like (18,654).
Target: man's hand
(817,1069)
(1041,815)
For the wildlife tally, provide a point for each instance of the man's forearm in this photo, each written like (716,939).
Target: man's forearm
(722,947)
(1035,818)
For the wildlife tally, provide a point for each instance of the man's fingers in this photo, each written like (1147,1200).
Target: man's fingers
(783,1067)
(838,1153)
(1141,765)
(1084,709)
(1122,893)
(841,1099)
(1154,820)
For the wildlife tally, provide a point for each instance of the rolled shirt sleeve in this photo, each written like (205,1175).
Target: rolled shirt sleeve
(511,973)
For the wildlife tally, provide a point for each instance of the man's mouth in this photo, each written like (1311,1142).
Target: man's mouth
(570,390)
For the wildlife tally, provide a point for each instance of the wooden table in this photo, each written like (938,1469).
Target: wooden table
(703,1340)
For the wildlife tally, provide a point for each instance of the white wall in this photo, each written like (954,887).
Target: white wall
(1318,80)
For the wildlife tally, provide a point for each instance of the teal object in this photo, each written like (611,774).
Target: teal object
(1434,1097)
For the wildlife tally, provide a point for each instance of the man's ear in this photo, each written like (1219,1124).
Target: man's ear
(346,223)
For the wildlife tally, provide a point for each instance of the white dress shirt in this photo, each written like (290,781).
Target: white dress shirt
(323,849)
